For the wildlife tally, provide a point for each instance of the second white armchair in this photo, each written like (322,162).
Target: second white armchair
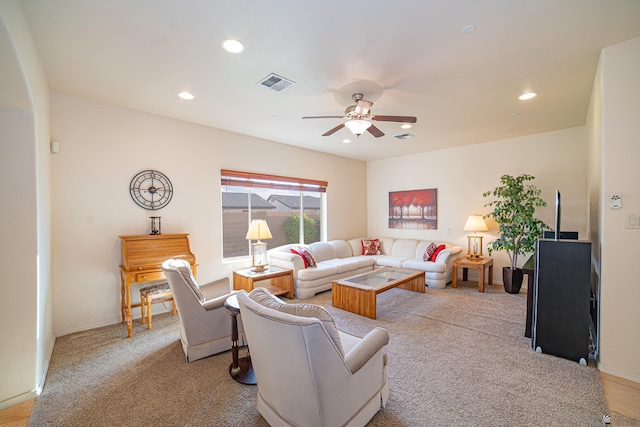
(205,325)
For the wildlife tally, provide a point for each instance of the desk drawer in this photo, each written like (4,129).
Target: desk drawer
(150,276)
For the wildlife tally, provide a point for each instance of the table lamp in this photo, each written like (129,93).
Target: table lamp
(258,229)
(475,223)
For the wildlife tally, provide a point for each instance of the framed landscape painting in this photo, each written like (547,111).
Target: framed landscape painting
(414,209)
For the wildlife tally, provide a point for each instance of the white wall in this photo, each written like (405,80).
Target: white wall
(620,287)
(462,174)
(103,147)
(25,312)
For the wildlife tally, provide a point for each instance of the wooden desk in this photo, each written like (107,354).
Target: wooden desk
(281,280)
(473,264)
(142,258)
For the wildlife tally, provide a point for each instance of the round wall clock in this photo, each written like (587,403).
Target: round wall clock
(151,189)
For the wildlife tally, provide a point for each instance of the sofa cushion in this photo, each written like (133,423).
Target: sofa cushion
(370,247)
(365,260)
(437,251)
(404,248)
(390,261)
(429,252)
(343,264)
(341,248)
(322,251)
(266,299)
(427,266)
(321,271)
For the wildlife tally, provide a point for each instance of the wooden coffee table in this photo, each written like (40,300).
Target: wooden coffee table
(357,294)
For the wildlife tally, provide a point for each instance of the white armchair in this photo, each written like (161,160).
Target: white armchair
(205,325)
(308,372)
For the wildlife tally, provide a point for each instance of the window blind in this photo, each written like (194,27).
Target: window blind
(259,180)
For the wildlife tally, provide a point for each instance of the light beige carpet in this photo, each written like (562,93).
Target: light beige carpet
(456,358)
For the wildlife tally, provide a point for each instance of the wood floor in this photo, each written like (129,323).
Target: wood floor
(623,397)
(17,415)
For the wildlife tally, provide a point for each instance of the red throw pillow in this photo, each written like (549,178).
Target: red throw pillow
(305,253)
(304,260)
(429,252)
(435,254)
(371,247)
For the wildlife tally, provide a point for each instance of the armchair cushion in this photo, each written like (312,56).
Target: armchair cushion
(265,298)
(187,275)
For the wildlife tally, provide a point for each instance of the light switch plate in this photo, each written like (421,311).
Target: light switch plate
(632,221)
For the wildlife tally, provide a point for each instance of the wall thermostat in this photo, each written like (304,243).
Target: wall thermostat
(615,201)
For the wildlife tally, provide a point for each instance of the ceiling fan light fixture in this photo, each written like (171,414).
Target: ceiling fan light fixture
(363,107)
(358,127)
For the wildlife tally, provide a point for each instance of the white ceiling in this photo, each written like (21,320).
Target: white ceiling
(409,57)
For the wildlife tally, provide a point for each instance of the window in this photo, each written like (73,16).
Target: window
(281,201)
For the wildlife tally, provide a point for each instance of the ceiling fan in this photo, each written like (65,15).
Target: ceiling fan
(356,116)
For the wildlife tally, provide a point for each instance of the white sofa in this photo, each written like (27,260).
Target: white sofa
(337,259)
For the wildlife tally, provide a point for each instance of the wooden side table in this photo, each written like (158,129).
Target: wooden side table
(240,369)
(473,264)
(281,280)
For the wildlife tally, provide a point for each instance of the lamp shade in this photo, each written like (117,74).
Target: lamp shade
(258,230)
(357,127)
(475,223)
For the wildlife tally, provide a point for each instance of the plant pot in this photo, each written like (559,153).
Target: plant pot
(512,280)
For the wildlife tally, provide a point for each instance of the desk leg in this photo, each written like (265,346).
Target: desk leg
(122,300)
(129,326)
(481,279)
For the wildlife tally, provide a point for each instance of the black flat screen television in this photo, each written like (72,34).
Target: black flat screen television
(570,235)
(558,233)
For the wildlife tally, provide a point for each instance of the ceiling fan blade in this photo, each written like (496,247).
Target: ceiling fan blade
(334,130)
(375,131)
(324,117)
(402,119)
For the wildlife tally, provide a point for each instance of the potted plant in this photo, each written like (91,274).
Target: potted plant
(513,209)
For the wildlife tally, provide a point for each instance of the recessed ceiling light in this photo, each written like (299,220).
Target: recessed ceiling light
(346,141)
(406,126)
(469,28)
(528,95)
(232,46)
(186,95)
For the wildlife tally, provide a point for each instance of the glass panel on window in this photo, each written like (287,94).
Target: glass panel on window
(281,208)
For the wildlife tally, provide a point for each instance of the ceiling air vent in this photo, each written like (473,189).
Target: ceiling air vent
(276,82)
(405,136)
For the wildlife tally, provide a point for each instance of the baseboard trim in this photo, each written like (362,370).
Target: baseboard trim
(16,400)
